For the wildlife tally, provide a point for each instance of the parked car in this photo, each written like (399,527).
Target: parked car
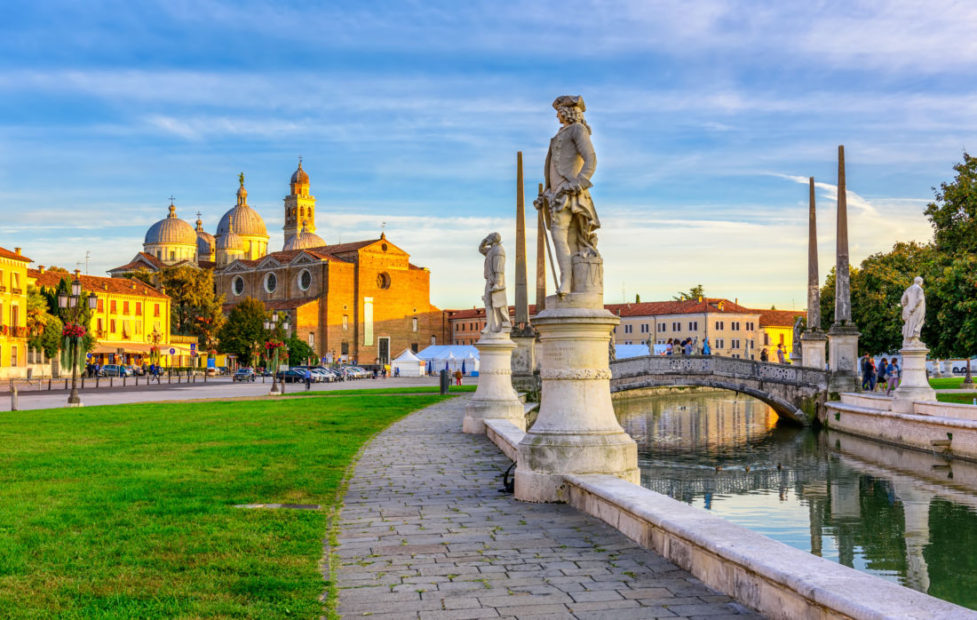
(135,370)
(115,370)
(292,375)
(355,372)
(244,374)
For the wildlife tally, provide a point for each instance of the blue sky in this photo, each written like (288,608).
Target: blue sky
(708,117)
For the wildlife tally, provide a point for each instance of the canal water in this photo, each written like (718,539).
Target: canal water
(903,515)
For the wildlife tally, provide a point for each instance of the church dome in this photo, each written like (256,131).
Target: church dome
(230,242)
(300,176)
(303,240)
(171,230)
(247,222)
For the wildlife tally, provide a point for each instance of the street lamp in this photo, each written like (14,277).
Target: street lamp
(272,346)
(73,353)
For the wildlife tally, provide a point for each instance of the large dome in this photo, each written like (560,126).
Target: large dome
(171,230)
(303,240)
(230,241)
(247,222)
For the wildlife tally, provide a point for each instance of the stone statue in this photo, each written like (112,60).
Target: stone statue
(795,353)
(565,201)
(496,306)
(913,312)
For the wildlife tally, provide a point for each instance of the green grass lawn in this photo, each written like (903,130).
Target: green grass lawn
(966,398)
(299,390)
(946,383)
(127,511)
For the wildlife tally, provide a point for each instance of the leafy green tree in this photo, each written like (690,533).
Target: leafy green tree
(694,293)
(49,338)
(244,328)
(195,309)
(954,211)
(84,316)
(299,351)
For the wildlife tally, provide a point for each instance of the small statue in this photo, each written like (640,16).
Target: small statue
(913,312)
(568,210)
(795,353)
(496,306)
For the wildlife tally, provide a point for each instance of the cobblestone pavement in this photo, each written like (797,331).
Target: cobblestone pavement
(425,533)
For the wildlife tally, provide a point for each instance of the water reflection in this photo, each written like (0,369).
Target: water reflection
(904,515)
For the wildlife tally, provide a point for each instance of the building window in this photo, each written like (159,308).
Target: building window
(749,326)
(101,328)
(13,355)
(138,328)
(781,339)
(312,339)
(112,325)
(138,308)
(271,282)
(676,326)
(345,321)
(112,307)
(720,325)
(627,329)
(156,310)
(15,315)
(101,305)
(305,280)
(413,347)
(383,280)
(735,326)
(734,343)
(413,323)
(693,326)
(237,285)
(766,339)
(344,348)
(719,343)
(125,307)
(661,327)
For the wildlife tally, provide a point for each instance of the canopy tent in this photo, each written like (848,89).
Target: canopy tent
(451,357)
(408,364)
(624,351)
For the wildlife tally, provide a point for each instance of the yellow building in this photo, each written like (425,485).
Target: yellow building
(778,329)
(13,314)
(130,318)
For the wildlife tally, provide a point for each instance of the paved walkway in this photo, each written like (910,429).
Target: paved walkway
(425,533)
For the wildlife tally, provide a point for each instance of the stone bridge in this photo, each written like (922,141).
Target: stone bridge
(794,392)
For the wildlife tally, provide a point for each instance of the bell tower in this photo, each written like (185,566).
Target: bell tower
(299,205)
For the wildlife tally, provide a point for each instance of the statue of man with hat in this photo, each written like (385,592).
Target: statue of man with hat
(568,209)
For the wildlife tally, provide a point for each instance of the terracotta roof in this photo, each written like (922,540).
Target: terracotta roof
(480,312)
(136,263)
(5,253)
(97,284)
(779,318)
(689,306)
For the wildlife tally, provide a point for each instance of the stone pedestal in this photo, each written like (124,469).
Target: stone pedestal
(913,385)
(494,398)
(576,431)
(843,358)
(524,360)
(812,349)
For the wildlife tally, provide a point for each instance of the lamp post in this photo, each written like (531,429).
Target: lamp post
(72,308)
(273,346)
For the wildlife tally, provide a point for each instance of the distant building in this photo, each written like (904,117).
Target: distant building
(131,317)
(361,301)
(13,314)
(778,328)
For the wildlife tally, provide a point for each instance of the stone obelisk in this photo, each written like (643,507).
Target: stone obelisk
(813,340)
(524,356)
(843,335)
(540,263)
(576,431)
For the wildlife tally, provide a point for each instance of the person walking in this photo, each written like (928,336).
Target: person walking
(873,376)
(706,349)
(893,381)
(780,353)
(883,373)
(764,357)
(866,371)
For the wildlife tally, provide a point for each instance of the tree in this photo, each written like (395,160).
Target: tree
(694,293)
(50,295)
(49,338)
(954,212)
(299,351)
(244,328)
(195,310)
(951,308)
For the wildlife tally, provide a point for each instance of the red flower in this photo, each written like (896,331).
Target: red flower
(74,330)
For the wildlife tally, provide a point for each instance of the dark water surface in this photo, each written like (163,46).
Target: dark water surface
(906,516)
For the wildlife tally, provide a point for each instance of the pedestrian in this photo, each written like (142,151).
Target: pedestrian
(893,382)
(668,347)
(706,349)
(457,377)
(764,357)
(687,349)
(308,379)
(780,353)
(866,371)
(883,372)
(873,376)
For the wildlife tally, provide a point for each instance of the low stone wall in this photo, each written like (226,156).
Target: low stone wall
(947,410)
(777,580)
(506,436)
(769,576)
(945,435)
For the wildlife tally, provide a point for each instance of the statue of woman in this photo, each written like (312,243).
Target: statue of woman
(913,312)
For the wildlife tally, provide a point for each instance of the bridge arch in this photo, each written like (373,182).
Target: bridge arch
(787,389)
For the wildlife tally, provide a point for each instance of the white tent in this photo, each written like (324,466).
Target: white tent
(450,356)
(471,365)
(408,364)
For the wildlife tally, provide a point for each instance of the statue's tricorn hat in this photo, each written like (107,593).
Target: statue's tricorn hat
(570,101)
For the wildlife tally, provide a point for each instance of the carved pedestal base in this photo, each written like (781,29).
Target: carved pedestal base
(812,350)
(524,360)
(576,431)
(913,385)
(843,358)
(494,398)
